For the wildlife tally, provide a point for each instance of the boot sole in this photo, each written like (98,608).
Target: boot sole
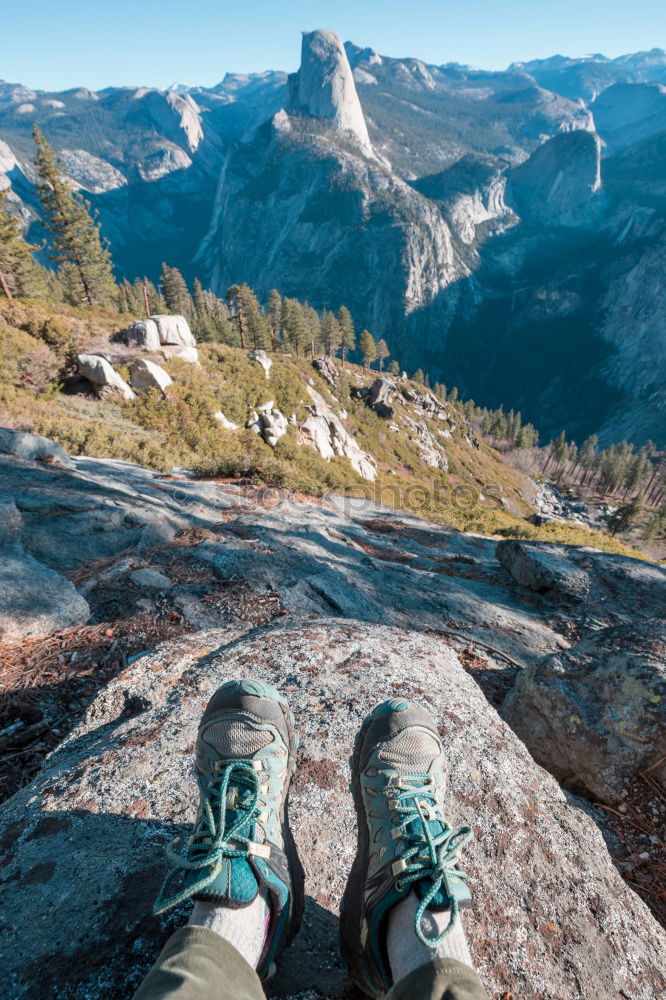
(351,908)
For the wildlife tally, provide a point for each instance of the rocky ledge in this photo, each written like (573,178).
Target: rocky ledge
(359,602)
(552,918)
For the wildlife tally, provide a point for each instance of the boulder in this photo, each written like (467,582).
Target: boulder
(35,600)
(262,358)
(143,334)
(543,568)
(150,579)
(378,395)
(595,714)
(104,378)
(33,447)
(551,918)
(327,370)
(382,390)
(146,375)
(174,330)
(228,425)
(269,423)
(189,354)
(325,432)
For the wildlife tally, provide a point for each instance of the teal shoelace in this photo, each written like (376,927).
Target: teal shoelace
(212,843)
(431,853)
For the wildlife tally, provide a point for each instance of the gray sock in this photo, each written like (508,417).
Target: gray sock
(245,928)
(407,953)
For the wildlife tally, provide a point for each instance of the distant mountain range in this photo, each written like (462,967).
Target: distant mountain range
(506,231)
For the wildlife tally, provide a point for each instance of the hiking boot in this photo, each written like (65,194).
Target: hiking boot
(404,842)
(241,843)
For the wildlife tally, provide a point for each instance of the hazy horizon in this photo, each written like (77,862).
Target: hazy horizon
(154,45)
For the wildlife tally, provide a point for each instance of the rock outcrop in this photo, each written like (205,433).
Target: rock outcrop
(171,333)
(33,447)
(543,568)
(327,370)
(143,334)
(35,600)
(324,86)
(146,375)
(262,358)
(324,430)
(109,799)
(103,377)
(174,331)
(595,715)
(269,423)
(429,449)
(378,396)
(349,556)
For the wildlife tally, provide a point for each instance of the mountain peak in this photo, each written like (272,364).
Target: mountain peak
(324,85)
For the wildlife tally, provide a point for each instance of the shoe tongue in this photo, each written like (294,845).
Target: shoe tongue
(413,748)
(236,882)
(235,739)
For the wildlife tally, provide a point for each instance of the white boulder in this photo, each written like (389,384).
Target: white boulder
(146,375)
(189,354)
(224,422)
(104,378)
(324,431)
(269,423)
(174,330)
(262,358)
(144,334)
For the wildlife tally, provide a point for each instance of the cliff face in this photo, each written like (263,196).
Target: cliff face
(326,218)
(324,86)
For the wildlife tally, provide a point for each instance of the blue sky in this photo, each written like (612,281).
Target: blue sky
(55,44)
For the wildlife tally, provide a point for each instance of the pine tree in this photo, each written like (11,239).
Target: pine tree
(295,326)
(252,325)
(77,246)
(275,316)
(313,324)
(382,353)
(175,292)
(394,367)
(418,376)
(146,289)
(21,273)
(368,347)
(347,332)
(561,449)
(199,303)
(453,395)
(625,516)
(224,331)
(331,333)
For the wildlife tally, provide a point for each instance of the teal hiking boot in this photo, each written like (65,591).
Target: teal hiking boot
(404,842)
(241,842)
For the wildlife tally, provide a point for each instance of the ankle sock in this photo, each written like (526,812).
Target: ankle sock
(244,928)
(407,953)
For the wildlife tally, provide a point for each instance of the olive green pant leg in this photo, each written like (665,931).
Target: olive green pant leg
(198,964)
(443,979)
